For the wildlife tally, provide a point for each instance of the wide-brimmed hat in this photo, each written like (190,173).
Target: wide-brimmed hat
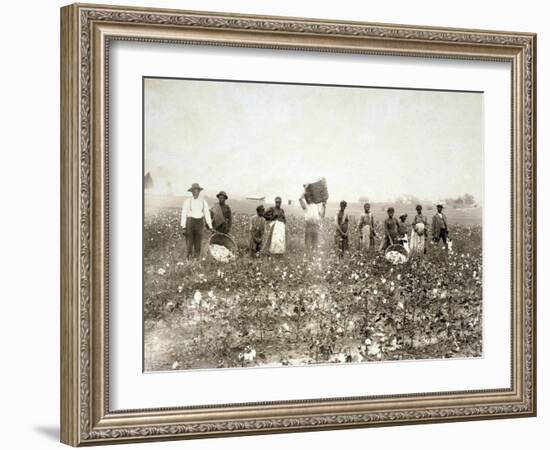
(222,193)
(403,216)
(439,206)
(195,186)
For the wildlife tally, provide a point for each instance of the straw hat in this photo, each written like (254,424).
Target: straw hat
(195,186)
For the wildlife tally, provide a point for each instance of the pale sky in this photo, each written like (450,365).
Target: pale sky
(256,139)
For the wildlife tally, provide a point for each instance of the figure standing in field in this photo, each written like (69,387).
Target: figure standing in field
(257,230)
(391,230)
(276,237)
(342,227)
(314,214)
(366,230)
(419,233)
(403,230)
(221,214)
(194,214)
(440,228)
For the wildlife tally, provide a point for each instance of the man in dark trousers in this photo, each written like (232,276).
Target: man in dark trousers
(440,228)
(194,214)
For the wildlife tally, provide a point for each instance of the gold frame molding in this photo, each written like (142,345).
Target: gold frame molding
(86,31)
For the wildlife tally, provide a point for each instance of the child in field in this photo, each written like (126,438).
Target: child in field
(391,230)
(403,228)
(257,228)
(342,223)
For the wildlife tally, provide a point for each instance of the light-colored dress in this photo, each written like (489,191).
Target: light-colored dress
(366,225)
(418,235)
(276,238)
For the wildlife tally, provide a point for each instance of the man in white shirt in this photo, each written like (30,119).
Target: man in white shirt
(194,213)
(313,214)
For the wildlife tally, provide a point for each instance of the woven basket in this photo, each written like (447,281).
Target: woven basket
(317,192)
(223,239)
(397,248)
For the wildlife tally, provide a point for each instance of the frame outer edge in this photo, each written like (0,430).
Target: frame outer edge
(534,160)
(69,311)
(78,392)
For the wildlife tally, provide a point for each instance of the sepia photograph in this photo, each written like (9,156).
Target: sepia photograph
(289,224)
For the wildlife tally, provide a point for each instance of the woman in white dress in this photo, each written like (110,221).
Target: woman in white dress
(276,238)
(419,233)
(366,230)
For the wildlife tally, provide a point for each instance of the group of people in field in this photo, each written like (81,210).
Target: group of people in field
(268,227)
(411,236)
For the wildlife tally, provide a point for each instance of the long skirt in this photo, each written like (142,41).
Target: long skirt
(367,239)
(418,243)
(276,239)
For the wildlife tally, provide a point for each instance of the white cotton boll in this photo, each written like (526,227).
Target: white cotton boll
(197,297)
(374,350)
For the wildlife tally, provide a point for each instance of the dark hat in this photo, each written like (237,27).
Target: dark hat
(403,216)
(439,206)
(260,208)
(343,203)
(195,186)
(278,199)
(391,209)
(418,206)
(222,193)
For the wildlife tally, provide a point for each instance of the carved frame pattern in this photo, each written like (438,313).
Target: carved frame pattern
(79,172)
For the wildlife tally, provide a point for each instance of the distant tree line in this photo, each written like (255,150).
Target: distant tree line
(465,200)
(462,201)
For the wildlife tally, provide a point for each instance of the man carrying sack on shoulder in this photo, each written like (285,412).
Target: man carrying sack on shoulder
(313,214)
(194,214)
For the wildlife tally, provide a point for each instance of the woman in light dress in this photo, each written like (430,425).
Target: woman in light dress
(366,230)
(276,238)
(419,233)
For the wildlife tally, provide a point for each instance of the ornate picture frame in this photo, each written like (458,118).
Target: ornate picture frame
(86,34)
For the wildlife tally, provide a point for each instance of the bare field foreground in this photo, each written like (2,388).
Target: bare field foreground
(290,310)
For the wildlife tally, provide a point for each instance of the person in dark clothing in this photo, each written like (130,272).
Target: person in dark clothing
(342,224)
(221,214)
(275,212)
(391,230)
(440,228)
(257,230)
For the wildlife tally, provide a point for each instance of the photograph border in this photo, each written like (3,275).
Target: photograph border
(86,33)
(270,83)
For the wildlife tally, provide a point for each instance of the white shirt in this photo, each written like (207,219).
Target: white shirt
(197,208)
(312,213)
